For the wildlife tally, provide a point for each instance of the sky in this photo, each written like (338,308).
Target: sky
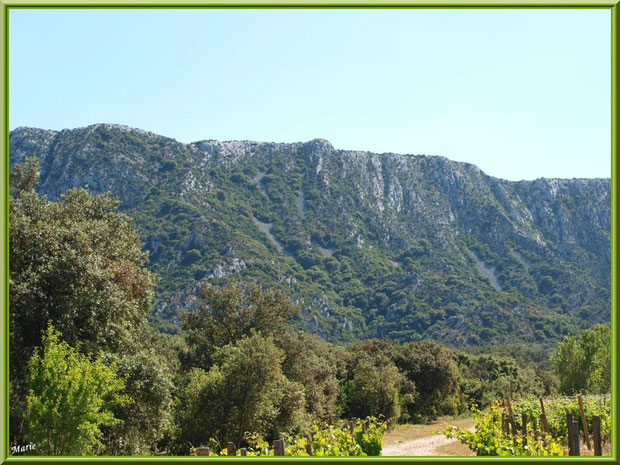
(522,94)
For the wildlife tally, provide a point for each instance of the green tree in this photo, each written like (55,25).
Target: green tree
(435,374)
(374,389)
(230,313)
(584,364)
(148,382)
(76,263)
(243,391)
(70,399)
(308,362)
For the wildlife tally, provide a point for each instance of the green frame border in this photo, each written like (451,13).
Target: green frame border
(6,6)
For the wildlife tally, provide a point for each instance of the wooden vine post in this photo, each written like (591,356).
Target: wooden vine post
(202,451)
(511,419)
(596,434)
(584,423)
(573,435)
(278,447)
(544,426)
(232,450)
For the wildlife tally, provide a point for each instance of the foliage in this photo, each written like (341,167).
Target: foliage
(77,264)
(487,377)
(557,408)
(430,366)
(309,363)
(584,364)
(70,398)
(490,439)
(374,389)
(351,439)
(242,391)
(148,418)
(230,313)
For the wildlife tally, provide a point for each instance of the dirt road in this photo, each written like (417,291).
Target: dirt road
(422,440)
(424,446)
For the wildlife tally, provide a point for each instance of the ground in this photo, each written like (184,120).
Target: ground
(422,440)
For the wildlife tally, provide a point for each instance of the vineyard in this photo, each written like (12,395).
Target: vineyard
(356,438)
(555,427)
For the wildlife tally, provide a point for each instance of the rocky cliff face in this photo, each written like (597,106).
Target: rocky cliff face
(369,244)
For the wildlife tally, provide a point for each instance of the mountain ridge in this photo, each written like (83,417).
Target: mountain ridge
(317,212)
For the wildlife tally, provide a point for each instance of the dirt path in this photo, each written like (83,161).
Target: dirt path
(422,440)
(424,446)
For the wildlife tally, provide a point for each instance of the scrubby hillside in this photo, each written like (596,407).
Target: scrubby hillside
(387,245)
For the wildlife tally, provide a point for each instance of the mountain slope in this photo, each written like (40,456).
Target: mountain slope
(400,246)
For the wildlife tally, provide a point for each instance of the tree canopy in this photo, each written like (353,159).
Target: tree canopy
(76,263)
(584,364)
(70,399)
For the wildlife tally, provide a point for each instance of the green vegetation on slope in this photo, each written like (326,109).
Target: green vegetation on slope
(404,247)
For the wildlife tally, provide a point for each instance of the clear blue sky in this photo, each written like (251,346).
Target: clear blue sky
(520,93)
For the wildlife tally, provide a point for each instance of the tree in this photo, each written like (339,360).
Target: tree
(308,362)
(75,263)
(374,389)
(230,313)
(241,392)
(149,383)
(70,399)
(584,364)
(431,367)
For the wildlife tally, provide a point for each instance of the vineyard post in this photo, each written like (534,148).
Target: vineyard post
(544,426)
(513,426)
(243,451)
(596,434)
(535,427)
(569,426)
(586,433)
(573,435)
(278,447)
(576,436)
(524,426)
(232,450)
(511,418)
(309,449)
(203,451)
